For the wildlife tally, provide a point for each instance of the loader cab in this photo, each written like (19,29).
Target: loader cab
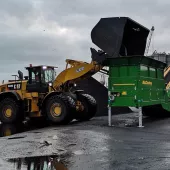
(39,78)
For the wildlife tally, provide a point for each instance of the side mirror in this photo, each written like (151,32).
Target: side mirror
(20,75)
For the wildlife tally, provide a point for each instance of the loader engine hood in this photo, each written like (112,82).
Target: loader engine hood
(120,36)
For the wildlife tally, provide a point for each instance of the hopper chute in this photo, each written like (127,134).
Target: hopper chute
(119,36)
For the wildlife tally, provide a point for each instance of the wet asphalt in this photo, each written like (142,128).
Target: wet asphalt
(89,146)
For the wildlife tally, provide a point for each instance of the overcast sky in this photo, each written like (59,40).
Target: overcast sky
(50,31)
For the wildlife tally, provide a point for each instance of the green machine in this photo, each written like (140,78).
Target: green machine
(134,79)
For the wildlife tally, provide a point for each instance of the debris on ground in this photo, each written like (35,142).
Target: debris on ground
(55,137)
(45,143)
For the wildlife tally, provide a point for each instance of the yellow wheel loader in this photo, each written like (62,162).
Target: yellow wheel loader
(42,95)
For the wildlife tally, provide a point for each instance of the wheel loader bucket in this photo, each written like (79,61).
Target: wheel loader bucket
(120,36)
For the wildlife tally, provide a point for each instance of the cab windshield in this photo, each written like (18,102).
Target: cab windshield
(48,75)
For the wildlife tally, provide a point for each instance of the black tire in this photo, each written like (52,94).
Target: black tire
(9,103)
(67,105)
(72,107)
(90,107)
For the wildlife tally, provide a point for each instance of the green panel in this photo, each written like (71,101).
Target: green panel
(123,71)
(131,102)
(150,89)
(144,91)
(152,72)
(114,72)
(166,105)
(144,70)
(123,101)
(144,95)
(154,94)
(166,102)
(139,81)
(161,94)
(126,87)
(160,73)
(134,60)
(168,93)
(133,70)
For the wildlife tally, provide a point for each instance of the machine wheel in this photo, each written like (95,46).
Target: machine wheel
(59,109)
(9,111)
(72,106)
(89,105)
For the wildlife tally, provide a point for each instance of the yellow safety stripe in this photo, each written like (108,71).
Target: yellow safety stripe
(167,70)
(124,84)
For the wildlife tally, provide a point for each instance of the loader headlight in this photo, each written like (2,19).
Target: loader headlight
(75,85)
(44,67)
(50,84)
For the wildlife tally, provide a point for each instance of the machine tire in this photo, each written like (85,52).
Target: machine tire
(72,106)
(67,107)
(90,106)
(15,109)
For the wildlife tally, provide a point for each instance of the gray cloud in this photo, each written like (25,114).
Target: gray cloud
(48,32)
(17,8)
(83,15)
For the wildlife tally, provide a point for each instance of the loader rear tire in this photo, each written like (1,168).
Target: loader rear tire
(90,107)
(59,109)
(9,111)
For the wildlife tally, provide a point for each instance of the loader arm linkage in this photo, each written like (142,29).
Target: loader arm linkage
(75,71)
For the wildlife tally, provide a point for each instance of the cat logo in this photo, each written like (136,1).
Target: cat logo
(14,86)
(80,69)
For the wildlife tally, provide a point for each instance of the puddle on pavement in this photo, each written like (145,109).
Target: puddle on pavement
(52,162)
(11,129)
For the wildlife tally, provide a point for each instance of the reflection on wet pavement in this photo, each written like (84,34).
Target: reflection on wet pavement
(41,163)
(11,129)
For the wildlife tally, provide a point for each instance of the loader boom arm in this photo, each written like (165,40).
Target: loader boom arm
(76,70)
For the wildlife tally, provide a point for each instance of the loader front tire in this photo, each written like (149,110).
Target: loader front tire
(90,107)
(59,109)
(9,111)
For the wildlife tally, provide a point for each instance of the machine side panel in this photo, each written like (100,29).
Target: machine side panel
(135,85)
